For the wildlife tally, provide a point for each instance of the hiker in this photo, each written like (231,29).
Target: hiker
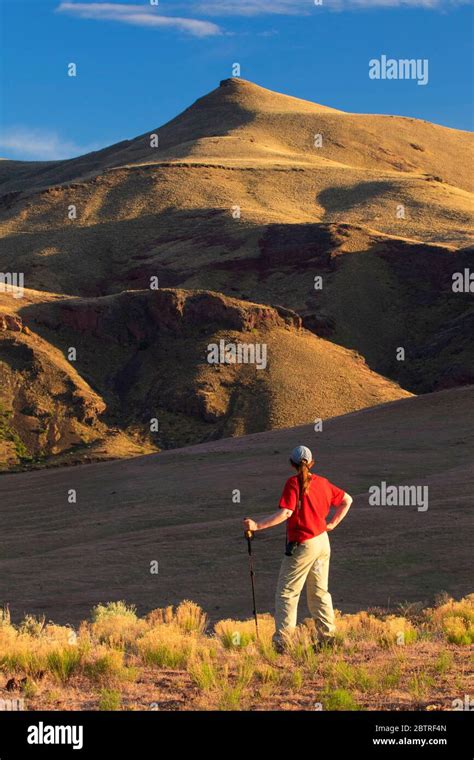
(305,504)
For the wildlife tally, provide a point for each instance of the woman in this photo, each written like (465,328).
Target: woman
(305,504)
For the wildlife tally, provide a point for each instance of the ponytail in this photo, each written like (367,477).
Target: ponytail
(304,476)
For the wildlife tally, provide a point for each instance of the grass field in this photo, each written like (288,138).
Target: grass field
(171,659)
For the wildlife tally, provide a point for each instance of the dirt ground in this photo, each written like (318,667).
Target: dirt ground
(166,689)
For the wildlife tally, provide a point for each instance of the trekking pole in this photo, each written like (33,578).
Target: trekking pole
(249,536)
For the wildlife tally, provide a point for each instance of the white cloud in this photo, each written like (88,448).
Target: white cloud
(252,7)
(428,4)
(39,145)
(301,7)
(139,15)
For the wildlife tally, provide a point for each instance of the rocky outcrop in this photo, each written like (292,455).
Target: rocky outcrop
(11,322)
(137,316)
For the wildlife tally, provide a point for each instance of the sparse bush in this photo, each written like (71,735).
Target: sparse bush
(267,650)
(420,683)
(455,620)
(267,674)
(458,631)
(108,666)
(443,663)
(29,689)
(241,633)
(389,675)
(32,625)
(204,674)
(230,698)
(339,699)
(300,648)
(235,634)
(4,616)
(235,672)
(113,609)
(167,647)
(160,616)
(297,679)
(190,617)
(116,624)
(385,630)
(110,699)
(344,675)
(63,663)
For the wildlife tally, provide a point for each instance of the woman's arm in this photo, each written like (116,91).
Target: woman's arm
(269,522)
(341,512)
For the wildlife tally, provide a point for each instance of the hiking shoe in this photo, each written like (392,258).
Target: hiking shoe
(279,646)
(325,645)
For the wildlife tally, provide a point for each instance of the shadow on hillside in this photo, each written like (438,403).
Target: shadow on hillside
(340,199)
(391,293)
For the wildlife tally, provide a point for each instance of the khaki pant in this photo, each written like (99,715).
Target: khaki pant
(310,563)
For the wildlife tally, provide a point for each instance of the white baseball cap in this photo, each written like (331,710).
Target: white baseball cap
(299,453)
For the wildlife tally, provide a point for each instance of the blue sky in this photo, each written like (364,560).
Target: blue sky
(139,64)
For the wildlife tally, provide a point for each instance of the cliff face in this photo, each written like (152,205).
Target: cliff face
(46,408)
(147,356)
(135,316)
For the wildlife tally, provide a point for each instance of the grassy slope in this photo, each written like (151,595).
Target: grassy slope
(415,659)
(157,367)
(177,508)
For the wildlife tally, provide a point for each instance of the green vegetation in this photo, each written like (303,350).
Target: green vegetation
(227,669)
(8,433)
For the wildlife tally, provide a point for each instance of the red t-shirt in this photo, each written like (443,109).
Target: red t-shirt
(310,519)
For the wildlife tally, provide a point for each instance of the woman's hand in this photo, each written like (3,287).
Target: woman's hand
(330,527)
(250,525)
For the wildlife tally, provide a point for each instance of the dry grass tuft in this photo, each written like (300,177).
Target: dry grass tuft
(228,669)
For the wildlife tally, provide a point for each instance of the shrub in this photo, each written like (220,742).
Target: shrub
(300,648)
(190,617)
(297,679)
(386,631)
(230,698)
(339,699)
(160,616)
(241,633)
(234,634)
(110,699)
(343,675)
(112,609)
(107,665)
(420,683)
(443,663)
(4,616)
(455,620)
(204,674)
(166,647)
(29,688)
(63,663)
(32,625)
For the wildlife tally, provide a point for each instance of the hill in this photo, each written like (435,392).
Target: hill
(357,234)
(157,368)
(178,508)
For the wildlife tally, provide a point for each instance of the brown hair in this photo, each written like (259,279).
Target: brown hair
(304,475)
